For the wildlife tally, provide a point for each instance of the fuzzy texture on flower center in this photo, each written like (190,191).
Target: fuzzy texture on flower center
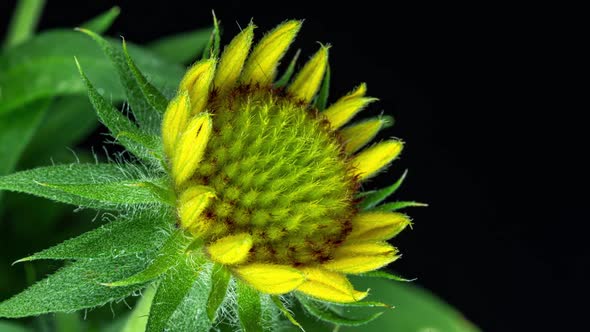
(279,174)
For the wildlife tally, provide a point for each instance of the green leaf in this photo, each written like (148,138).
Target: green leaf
(181,48)
(385,275)
(249,308)
(68,322)
(138,319)
(172,290)
(378,196)
(219,281)
(212,48)
(394,206)
(107,186)
(328,315)
(43,67)
(102,22)
(277,301)
(284,80)
(75,287)
(6,326)
(145,114)
(67,122)
(126,235)
(322,100)
(172,253)
(153,97)
(140,144)
(24,21)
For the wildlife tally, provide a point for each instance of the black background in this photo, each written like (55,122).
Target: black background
(495,144)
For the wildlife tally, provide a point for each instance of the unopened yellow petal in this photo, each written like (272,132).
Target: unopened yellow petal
(358,135)
(347,107)
(329,286)
(361,257)
(270,278)
(232,60)
(262,64)
(307,83)
(377,226)
(197,81)
(191,147)
(231,249)
(370,161)
(191,204)
(175,121)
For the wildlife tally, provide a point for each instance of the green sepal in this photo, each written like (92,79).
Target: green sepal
(138,319)
(284,80)
(249,308)
(214,43)
(75,287)
(385,275)
(373,198)
(326,314)
(277,301)
(322,99)
(123,236)
(173,288)
(170,255)
(395,206)
(102,22)
(363,304)
(83,185)
(153,96)
(174,48)
(145,114)
(119,125)
(220,278)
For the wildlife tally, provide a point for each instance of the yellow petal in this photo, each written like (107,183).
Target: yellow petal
(232,60)
(231,249)
(190,148)
(347,107)
(262,64)
(175,121)
(358,135)
(308,81)
(191,204)
(329,286)
(270,278)
(361,257)
(377,226)
(197,82)
(370,161)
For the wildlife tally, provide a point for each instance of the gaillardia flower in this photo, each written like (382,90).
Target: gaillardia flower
(257,181)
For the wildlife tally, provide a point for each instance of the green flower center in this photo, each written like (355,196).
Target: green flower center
(279,174)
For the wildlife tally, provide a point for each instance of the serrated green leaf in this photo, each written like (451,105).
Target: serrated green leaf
(138,319)
(284,80)
(172,290)
(126,235)
(119,125)
(24,21)
(249,308)
(107,186)
(322,99)
(373,198)
(102,22)
(75,287)
(172,253)
(43,67)
(219,281)
(277,301)
(385,275)
(212,48)
(145,113)
(152,95)
(395,206)
(183,47)
(327,315)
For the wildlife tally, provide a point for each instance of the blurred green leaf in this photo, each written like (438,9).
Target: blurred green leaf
(68,322)
(75,287)
(44,66)
(6,326)
(181,48)
(138,319)
(24,21)
(102,22)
